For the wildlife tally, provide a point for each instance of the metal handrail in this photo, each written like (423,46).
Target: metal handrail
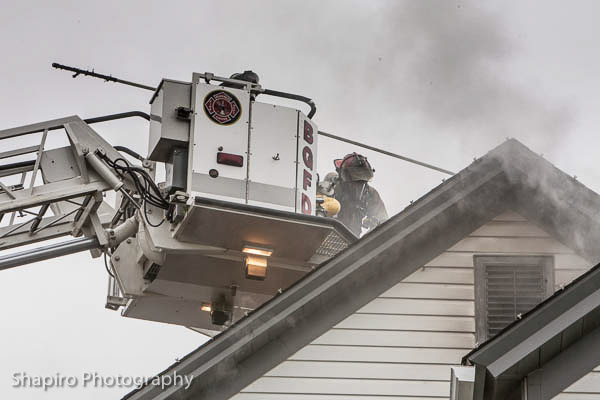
(48,252)
(59,123)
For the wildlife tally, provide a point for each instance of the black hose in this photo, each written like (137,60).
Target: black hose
(144,184)
(112,117)
(313,107)
(130,152)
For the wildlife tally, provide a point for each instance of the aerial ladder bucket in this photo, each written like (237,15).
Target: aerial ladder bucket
(232,226)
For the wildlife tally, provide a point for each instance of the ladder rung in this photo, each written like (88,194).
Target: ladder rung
(19,152)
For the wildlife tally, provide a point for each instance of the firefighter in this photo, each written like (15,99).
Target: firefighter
(361,205)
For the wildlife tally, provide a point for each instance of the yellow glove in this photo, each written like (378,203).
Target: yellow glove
(330,205)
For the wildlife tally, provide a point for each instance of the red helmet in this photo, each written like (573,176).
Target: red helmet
(354,167)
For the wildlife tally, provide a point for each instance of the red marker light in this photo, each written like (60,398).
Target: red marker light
(230,159)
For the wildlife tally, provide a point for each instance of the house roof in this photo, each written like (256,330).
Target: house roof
(509,177)
(550,343)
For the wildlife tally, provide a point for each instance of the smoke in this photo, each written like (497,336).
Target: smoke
(452,57)
(448,63)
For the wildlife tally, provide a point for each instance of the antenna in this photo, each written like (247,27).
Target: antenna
(107,78)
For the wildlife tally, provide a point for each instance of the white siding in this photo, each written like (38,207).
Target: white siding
(587,388)
(402,344)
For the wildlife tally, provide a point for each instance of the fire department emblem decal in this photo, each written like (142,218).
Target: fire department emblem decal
(222,107)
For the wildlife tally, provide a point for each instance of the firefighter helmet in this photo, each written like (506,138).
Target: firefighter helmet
(354,167)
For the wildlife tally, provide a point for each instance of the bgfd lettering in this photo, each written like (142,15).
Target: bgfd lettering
(308,165)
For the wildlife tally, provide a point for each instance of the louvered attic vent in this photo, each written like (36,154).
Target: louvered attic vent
(507,286)
(511,290)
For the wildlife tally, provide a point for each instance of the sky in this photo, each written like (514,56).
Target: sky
(439,81)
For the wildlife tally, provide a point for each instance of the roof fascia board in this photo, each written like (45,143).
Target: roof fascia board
(547,332)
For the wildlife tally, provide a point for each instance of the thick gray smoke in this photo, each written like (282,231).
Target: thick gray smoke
(450,58)
(444,62)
